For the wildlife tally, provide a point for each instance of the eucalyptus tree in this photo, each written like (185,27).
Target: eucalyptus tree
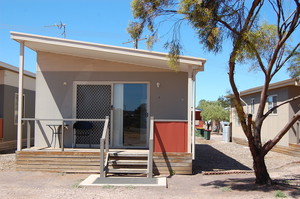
(267,45)
(214,111)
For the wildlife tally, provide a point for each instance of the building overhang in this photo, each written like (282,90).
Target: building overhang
(5,66)
(105,52)
(276,85)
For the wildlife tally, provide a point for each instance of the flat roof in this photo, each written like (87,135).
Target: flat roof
(6,66)
(105,52)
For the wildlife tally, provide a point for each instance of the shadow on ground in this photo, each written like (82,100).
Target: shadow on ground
(287,183)
(211,159)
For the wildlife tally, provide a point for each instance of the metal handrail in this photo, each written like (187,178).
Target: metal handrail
(104,139)
(150,154)
(63,120)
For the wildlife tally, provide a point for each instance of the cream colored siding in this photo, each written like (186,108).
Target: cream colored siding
(274,122)
(294,107)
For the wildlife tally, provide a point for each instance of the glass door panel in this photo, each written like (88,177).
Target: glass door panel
(130,115)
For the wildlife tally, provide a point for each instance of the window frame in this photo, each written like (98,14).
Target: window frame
(271,103)
(252,106)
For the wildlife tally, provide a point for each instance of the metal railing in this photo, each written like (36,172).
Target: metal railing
(104,141)
(62,123)
(150,154)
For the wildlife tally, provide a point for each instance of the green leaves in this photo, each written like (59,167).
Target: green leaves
(259,42)
(294,68)
(135,30)
(213,110)
(174,53)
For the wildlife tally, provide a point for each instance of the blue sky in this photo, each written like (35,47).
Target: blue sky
(105,21)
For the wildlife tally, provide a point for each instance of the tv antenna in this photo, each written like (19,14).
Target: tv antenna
(135,42)
(60,26)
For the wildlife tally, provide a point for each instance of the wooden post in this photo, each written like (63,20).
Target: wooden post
(189,111)
(193,117)
(104,139)
(20,97)
(298,133)
(107,135)
(102,175)
(150,155)
(62,136)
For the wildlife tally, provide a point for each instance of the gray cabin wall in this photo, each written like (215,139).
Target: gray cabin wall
(9,127)
(1,100)
(55,88)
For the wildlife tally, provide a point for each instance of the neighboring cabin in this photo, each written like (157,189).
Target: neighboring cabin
(9,100)
(278,93)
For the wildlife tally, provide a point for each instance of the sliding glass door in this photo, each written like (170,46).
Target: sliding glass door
(130,116)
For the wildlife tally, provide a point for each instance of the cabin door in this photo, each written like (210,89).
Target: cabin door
(93,101)
(130,115)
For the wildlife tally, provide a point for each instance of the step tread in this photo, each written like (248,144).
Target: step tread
(127,170)
(113,154)
(128,162)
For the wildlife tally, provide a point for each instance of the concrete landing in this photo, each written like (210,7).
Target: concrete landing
(95,180)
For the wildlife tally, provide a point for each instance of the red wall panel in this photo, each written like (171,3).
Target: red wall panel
(170,136)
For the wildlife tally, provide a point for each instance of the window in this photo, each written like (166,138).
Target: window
(272,101)
(252,106)
(16,108)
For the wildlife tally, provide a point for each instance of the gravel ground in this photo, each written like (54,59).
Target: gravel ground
(220,155)
(212,155)
(7,161)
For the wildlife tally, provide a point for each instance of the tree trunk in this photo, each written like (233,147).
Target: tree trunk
(260,170)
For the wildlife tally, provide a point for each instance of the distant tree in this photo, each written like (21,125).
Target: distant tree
(294,68)
(213,111)
(268,47)
(135,30)
(224,102)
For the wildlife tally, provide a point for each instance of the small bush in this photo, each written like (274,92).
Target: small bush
(280,194)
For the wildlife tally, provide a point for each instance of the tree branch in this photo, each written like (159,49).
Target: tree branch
(228,27)
(271,143)
(284,35)
(285,60)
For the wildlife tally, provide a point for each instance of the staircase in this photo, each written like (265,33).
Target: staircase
(126,164)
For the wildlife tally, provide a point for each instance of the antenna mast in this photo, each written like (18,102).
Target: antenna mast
(135,42)
(60,26)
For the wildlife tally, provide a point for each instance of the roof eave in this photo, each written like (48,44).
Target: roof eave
(12,68)
(76,48)
(281,84)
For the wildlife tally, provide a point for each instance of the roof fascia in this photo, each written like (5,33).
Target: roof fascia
(281,84)
(12,68)
(185,61)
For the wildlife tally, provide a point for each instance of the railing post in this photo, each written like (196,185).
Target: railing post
(150,155)
(107,135)
(102,174)
(107,141)
(104,139)
(28,133)
(62,136)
